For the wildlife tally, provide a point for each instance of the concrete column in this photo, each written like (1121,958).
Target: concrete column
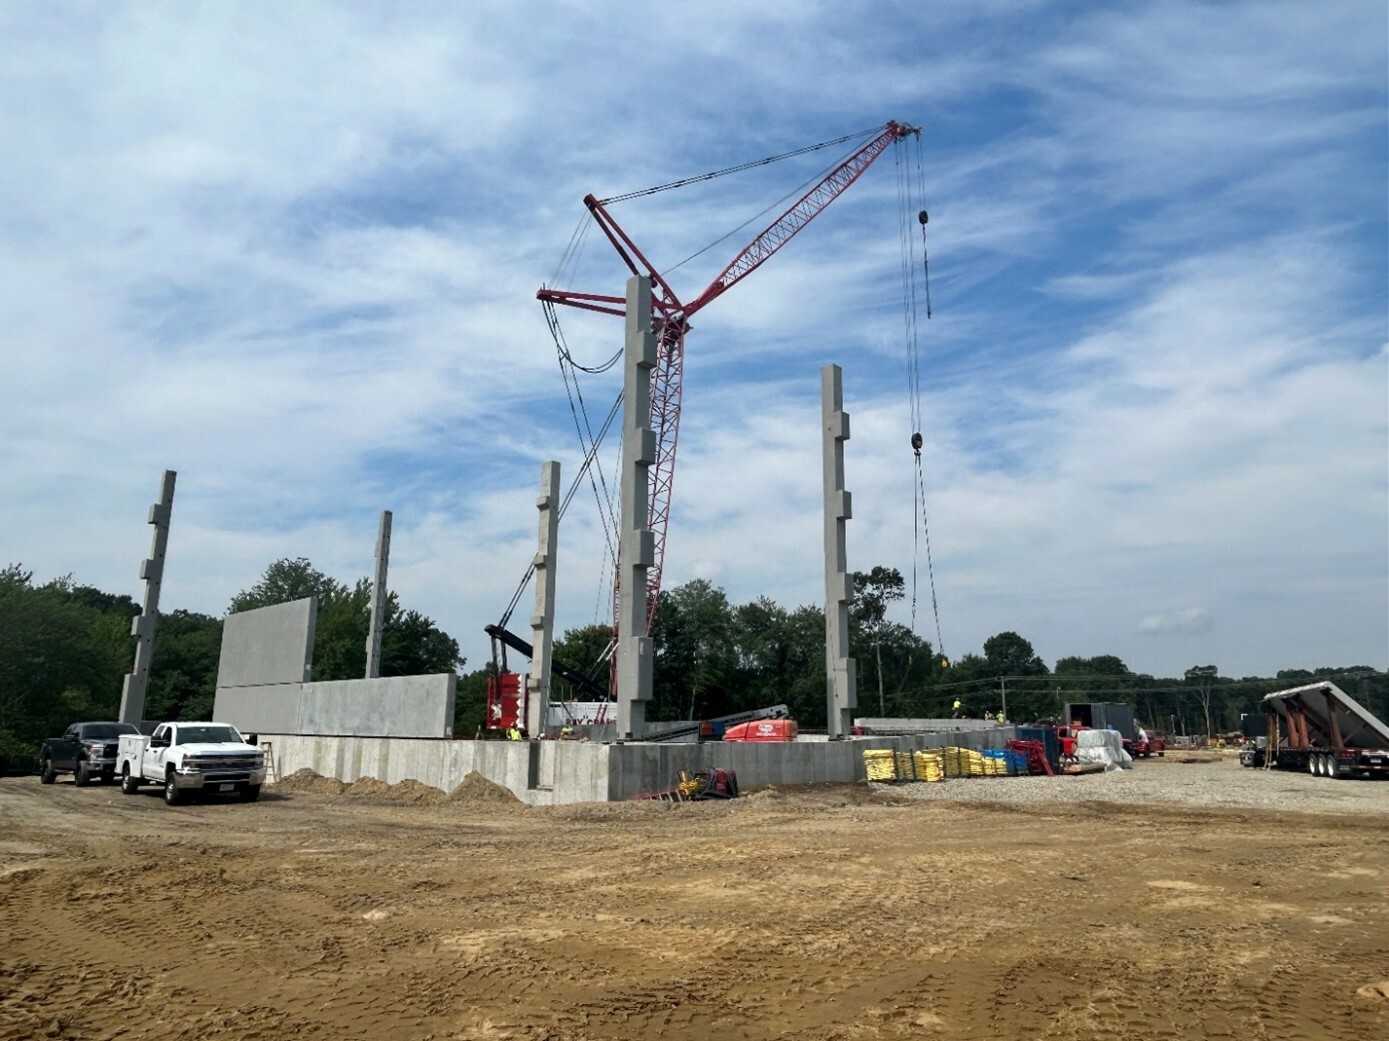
(142,627)
(841,677)
(378,596)
(543,621)
(637,542)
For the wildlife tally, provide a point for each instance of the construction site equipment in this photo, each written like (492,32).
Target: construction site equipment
(506,691)
(697,786)
(768,730)
(1323,730)
(671,315)
(713,729)
(1103,715)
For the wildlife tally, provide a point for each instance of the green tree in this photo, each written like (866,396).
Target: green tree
(694,656)
(874,591)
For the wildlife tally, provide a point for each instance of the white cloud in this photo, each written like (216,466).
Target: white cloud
(295,259)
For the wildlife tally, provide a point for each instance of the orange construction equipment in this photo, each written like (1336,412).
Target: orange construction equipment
(763,730)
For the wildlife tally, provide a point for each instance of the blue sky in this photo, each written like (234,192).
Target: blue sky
(291,252)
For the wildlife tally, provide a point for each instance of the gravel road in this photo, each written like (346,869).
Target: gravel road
(1207,783)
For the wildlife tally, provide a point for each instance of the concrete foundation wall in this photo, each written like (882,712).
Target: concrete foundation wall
(575,771)
(397,706)
(544,773)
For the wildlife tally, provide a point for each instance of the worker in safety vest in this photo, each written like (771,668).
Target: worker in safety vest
(957,706)
(566,732)
(1000,716)
(513,733)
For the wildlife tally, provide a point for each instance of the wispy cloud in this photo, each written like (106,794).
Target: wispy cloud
(295,258)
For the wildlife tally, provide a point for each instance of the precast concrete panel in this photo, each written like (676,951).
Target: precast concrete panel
(396,706)
(273,708)
(268,645)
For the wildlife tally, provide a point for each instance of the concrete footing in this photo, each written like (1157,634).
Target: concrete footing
(552,773)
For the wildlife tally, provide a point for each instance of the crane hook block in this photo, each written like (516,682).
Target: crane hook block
(922,217)
(916,442)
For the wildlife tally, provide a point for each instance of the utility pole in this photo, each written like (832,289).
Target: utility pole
(1003,693)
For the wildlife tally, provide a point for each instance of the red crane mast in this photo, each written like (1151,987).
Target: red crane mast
(672,317)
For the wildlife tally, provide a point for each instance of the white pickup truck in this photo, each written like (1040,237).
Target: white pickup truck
(183,757)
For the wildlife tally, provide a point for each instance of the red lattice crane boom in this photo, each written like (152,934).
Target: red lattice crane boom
(672,317)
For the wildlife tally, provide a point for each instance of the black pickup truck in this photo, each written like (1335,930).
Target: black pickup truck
(86,750)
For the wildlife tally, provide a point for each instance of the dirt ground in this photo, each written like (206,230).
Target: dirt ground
(820,913)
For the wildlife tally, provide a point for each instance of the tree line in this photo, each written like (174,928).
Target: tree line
(65,648)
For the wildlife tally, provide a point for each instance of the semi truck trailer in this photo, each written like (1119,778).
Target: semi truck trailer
(1323,730)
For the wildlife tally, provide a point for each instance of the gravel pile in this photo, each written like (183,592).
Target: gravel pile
(1167,782)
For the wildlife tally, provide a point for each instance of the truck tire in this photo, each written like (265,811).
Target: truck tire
(1333,768)
(47,775)
(172,796)
(249,792)
(80,776)
(129,784)
(1314,765)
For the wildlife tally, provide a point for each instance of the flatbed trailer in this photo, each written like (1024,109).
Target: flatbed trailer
(1323,730)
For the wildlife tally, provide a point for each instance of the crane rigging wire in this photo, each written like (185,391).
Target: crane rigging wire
(911,194)
(739,168)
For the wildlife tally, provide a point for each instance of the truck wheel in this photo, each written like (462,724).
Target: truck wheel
(249,792)
(172,795)
(80,776)
(47,775)
(1314,765)
(1333,768)
(129,785)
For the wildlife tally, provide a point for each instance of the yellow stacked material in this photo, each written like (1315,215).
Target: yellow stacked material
(966,762)
(906,767)
(881,764)
(929,766)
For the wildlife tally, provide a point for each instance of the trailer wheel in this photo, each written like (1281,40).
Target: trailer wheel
(1333,768)
(1314,765)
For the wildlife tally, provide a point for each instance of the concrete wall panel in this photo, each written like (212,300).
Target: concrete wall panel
(272,708)
(267,645)
(398,706)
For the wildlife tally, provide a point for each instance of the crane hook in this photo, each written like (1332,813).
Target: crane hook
(922,217)
(916,442)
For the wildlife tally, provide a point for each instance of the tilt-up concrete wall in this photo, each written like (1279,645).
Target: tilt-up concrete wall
(562,772)
(265,660)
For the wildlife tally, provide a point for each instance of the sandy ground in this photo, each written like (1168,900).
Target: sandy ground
(838,912)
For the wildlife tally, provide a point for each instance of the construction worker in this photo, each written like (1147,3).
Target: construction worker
(513,733)
(957,706)
(1000,717)
(566,732)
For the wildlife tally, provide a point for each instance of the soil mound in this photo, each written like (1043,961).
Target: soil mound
(476,788)
(368,787)
(309,782)
(411,790)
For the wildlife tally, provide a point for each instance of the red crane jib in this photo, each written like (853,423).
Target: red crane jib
(673,316)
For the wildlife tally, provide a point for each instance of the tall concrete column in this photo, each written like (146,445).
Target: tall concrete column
(841,676)
(637,543)
(378,596)
(142,627)
(543,621)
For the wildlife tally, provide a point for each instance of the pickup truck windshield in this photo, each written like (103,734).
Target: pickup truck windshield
(207,735)
(103,731)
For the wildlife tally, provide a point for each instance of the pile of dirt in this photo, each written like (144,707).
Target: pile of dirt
(476,788)
(411,790)
(309,782)
(368,787)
